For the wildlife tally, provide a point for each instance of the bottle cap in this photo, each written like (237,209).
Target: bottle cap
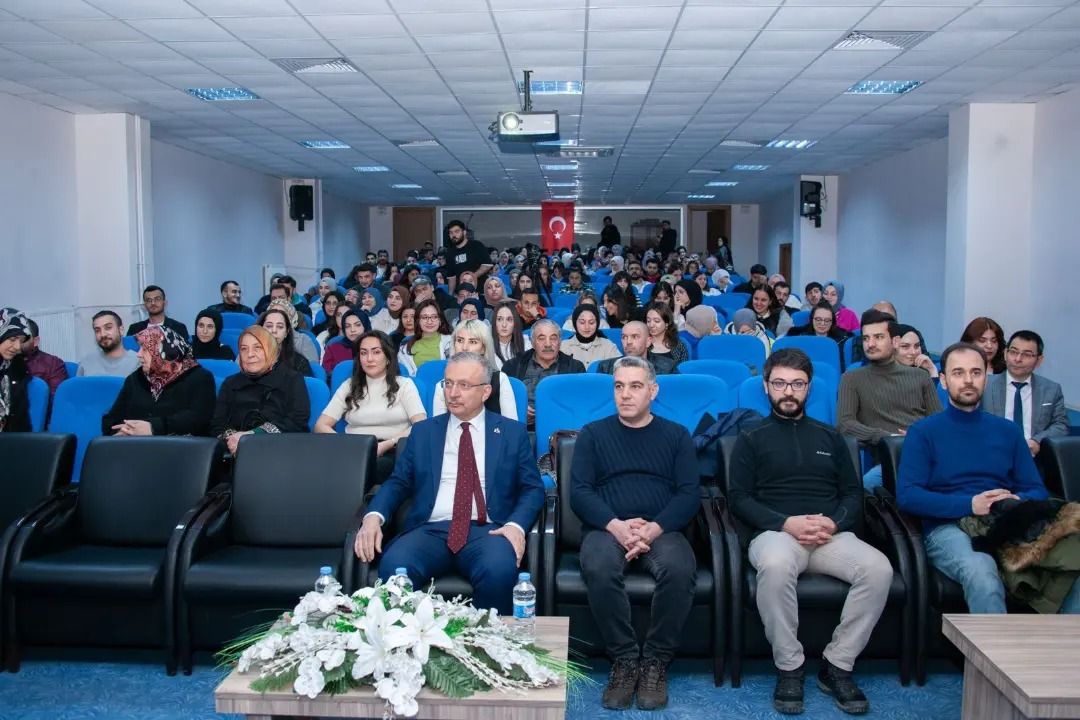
(401,571)
(326,570)
(524,577)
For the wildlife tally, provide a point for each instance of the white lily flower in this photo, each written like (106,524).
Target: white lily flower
(331,657)
(420,631)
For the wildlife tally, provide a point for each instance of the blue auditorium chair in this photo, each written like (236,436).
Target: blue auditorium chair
(78,407)
(130,343)
(318,397)
(800,318)
(615,336)
(820,349)
(567,402)
(342,372)
(72,368)
(731,372)
(236,320)
(848,350)
(220,368)
(730,302)
(566,300)
(820,403)
(521,397)
(685,398)
(746,349)
(559,314)
(319,372)
(38,392)
(232,339)
(315,340)
(431,372)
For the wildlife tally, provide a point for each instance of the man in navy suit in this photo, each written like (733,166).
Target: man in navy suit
(1032,401)
(475,491)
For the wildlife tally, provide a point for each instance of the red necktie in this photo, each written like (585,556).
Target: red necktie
(467,488)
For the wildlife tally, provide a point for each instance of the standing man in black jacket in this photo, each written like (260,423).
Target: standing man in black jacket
(793,483)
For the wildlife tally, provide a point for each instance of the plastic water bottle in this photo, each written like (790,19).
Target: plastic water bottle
(401,579)
(525,605)
(327,584)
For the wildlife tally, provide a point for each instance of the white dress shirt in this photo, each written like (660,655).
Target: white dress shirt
(444,499)
(1025,398)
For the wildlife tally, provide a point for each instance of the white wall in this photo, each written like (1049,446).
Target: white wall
(345,232)
(212,222)
(745,220)
(892,237)
(381,231)
(1055,252)
(777,226)
(39,206)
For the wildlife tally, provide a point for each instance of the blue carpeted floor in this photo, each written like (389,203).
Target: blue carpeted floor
(50,689)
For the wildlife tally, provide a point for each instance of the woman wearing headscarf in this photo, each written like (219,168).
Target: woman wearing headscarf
(375,400)
(330,303)
(911,350)
(588,344)
(744,322)
(264,397)
(846,319)
(354,323)
(207,344)
(687,295)
(371,302)
(702,279)
(14,375)
(721,280)
(300,342)
(277,323)
(470,309)
(397,299)
(700,321)
(585,297)
(326,286)
(170,394)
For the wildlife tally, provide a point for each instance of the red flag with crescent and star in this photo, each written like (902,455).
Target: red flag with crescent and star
(556,225)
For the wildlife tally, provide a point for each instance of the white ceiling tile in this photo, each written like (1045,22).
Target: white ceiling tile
(1001,18)
(963,40)
(548,40)
(698,18)
(294,48)
(51,9)
(1042,40)
(225,50)
(419,6)
(269,28)
(346,27)
(1067,18)
(336,7)
(778,58)
(131,9)
(817,18)
(19,31)
(645,18)
(181,29)
(443,23)
(616,58)
(540,20)
(911,18)
(55,52)
(94,30)
(819,40)
(721,58)
(621,40)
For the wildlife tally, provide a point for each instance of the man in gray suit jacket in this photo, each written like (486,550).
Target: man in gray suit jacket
(1032,401)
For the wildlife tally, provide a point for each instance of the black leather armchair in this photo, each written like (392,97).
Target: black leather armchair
(821,598)
(37,467)
(563,590)
(1060,460)
(258,549)
(449,585)
(98,566)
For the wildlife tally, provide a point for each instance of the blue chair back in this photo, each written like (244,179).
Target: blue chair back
(431,373)
(943,395)
(800,318)
(568,402)
(319,372)
(746,349)
(72,368)
(221,368)
(557,286)
(820,403)
(732,372)
(521,397)
(38,392)
(559,314)
(685,398)
(130,343)
(847,352)
(342,372)
(318,397)
(236,321)
(690,341)
(78,406)
(822,350)
(730,302)
(827,373)
(315,341)
(320,317)
(567,300)
(615,336)
(232,339)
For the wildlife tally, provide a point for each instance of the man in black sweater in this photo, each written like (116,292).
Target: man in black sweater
(794,485)
(635,487)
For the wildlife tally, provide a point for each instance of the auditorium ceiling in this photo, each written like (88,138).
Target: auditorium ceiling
(682,92)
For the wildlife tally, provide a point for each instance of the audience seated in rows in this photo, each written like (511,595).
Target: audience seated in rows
(431,339)
(794,485)
(964,466)
(543,360)
(883,397)
(14,375)
(508,333)
(745,322)
(155,303)
(329,307)
(474,336)
(759,277)
(375,400)
(354,323)
(266,396)
(170,394)
(833,294)
(470,309)
(278,320)
(987,335)
(387,318)
(664,334)
(41,364)
(635,343)
(230,299)
(111,357)
(529,309)
(635,488)
(588,345)
(207,345)
(822,324)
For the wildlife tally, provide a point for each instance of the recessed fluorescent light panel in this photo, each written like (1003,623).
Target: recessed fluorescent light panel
(452,173)
(749,168)
(222,94)
(561,184)
(883,87)
(564,197)
(552,87)
(371,168)
(722,183)
(700,197)
(791,144)
(428,198)
(405,144)
(704,171)
(324,144)
(740,143)
(406,186)
(568,167)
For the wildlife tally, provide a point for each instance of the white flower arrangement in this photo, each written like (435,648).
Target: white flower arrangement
(396,640)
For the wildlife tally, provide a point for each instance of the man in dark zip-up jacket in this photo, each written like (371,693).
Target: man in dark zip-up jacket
(793,483)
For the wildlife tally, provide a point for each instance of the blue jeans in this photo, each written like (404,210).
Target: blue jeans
(949,550)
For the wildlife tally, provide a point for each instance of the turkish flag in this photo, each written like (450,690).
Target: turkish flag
(556,225)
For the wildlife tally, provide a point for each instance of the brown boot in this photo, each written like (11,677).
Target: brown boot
(619,693)
(652,685)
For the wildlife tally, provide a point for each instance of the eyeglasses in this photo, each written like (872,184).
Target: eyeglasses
(461,385)
(430,317)
(822,321)
(782,385)
(1025,354)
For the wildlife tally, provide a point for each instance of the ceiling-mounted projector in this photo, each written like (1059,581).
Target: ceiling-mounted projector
(530,126)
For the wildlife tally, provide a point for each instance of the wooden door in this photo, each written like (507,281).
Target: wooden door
(785,261)
(718,223)
(413,226)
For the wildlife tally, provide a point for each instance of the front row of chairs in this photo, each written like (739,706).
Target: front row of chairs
(152,549)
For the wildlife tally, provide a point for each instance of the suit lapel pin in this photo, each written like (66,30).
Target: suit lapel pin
(496,431)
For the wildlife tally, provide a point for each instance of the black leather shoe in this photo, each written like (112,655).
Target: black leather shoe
(652,685)
(787,696)
(623,679)
(839,683)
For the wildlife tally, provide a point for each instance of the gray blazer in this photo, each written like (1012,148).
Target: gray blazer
(1048,416)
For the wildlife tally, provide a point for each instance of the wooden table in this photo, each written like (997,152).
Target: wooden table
(234,696)
(1018,666)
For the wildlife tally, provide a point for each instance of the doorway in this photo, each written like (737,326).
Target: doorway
(413,226)
(718,224)
(785,260)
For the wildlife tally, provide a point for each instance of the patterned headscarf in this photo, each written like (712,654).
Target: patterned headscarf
(170,357)
(269,345)
(12,324)
(286,307)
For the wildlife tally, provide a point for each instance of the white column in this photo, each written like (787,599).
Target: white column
(814,249)
(303,249)
(988,235)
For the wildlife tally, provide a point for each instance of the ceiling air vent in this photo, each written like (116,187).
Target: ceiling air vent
(882,40)
(308,66)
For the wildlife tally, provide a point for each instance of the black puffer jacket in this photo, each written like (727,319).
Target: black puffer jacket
(277,401)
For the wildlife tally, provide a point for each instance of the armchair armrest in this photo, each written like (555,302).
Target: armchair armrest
(48,527)
(713,534)
(533,549)
(550,541)
(734,556)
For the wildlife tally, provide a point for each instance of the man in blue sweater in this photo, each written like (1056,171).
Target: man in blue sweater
(635,488)
(959,463)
